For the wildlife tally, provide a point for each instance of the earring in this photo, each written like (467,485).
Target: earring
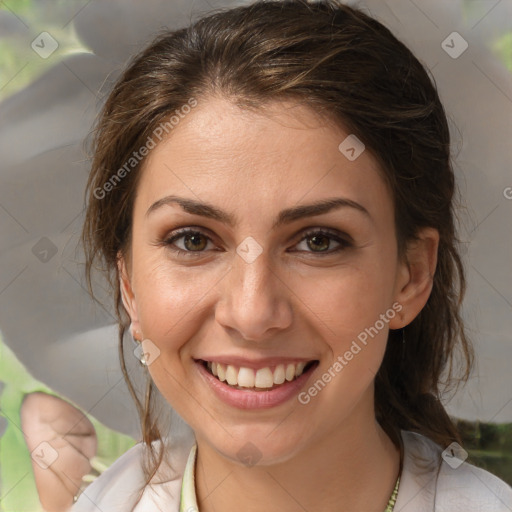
(136,337)
(139,349)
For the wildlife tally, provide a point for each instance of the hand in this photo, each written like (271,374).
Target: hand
(68,431)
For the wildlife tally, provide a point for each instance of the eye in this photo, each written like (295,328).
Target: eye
(321,239)
(194,241)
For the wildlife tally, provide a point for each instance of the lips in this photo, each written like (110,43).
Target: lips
(255,398)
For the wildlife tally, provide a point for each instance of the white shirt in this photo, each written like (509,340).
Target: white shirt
(427,484)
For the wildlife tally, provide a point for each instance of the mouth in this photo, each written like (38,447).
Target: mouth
(260,379)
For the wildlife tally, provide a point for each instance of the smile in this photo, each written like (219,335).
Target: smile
(266,378)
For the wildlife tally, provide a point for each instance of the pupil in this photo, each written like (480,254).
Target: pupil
(196,243)
(316,238)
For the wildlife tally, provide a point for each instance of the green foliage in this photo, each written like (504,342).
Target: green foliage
(489,446)
(19,64)
(17,6)
(503,48)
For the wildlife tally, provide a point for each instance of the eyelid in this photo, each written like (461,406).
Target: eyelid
(168,240)
(344,240)
(327,231)
(302,233)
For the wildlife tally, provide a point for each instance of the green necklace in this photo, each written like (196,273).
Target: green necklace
(188,494)
(394,495)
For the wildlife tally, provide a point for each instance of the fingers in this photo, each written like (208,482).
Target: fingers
(62,441)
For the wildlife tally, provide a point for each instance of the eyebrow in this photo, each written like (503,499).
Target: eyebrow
(286,216)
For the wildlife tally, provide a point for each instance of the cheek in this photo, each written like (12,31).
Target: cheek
(345,299)
(349,299)
(170,299)
(169,304)
(354,305)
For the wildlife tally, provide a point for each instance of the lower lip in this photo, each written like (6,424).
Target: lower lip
(255,399)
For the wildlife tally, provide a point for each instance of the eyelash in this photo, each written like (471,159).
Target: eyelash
(344,243)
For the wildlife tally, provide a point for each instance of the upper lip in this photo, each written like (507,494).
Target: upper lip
(255,364)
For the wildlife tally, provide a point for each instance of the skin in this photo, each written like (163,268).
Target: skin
(49,419)
(291,301)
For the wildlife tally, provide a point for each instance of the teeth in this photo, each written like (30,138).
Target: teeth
(231,375)
(279,376)
(290,372)
(264,378)
(221,371)
(261,378)
(246,378)
(299,369)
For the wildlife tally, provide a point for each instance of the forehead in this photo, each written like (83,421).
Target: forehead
(281,154)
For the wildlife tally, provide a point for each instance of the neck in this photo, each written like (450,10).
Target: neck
(355,467)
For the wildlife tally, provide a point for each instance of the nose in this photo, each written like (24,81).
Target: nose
(254,300)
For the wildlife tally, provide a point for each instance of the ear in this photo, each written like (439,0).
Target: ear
(415,276)
(128,295)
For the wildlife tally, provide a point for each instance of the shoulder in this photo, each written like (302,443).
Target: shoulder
(118,489)
(429,482)
(467,488)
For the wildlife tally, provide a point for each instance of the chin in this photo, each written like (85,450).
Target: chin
(255,447)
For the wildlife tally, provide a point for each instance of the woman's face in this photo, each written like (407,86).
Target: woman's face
(256,287)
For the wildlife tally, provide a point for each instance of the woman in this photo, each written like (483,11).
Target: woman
(271,197)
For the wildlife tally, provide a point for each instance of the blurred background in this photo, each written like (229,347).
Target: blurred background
(57,61)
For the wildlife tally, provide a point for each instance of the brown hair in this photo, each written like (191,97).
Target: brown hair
(348,68)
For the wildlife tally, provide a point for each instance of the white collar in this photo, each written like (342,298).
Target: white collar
(427,484)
